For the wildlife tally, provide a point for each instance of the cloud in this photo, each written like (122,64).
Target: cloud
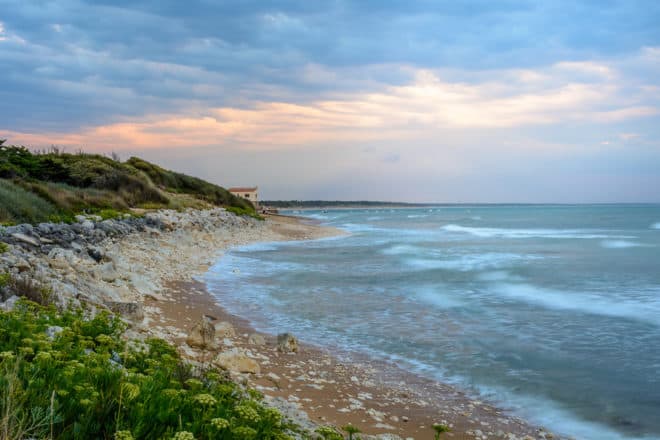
(145,56)
(424,107)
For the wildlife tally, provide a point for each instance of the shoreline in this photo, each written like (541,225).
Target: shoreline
(318,386)
(148,276)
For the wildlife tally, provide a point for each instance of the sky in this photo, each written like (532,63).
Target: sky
(417,100)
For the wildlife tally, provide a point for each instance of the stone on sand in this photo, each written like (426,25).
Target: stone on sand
(256,339)
(235,360)
(202,334)
(287,343)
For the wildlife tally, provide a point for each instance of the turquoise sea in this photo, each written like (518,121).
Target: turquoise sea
(552,311)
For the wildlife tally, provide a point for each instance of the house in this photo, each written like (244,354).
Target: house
(249,193)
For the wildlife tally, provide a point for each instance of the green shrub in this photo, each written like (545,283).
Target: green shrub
(86,382)
(4,247)
(243,211)
(18,205)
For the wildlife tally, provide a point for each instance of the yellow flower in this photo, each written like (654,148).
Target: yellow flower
(123,435)
(42,356)
(205,399)
(183,435)
(219,423)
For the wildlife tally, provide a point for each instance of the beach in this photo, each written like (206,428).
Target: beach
(152,277)
(312,385)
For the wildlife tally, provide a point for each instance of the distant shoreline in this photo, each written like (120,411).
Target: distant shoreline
(320,204)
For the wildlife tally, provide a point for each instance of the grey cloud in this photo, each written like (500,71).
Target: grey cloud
(131,57)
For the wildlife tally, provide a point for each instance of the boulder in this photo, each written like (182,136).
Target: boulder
(106,272)
(287,343)
(224,329)
(9,305)
(237,361)
(202,334)
(26,239)
(127,309)
(256,339)
(53,331)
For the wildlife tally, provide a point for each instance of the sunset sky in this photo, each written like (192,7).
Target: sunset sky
(435,101)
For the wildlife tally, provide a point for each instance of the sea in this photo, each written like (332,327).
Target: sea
(550,311)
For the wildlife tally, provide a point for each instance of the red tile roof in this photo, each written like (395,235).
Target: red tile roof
(242,189)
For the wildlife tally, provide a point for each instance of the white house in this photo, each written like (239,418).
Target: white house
(249,193)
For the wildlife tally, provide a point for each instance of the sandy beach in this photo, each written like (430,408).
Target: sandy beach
(315,385)
(152,278)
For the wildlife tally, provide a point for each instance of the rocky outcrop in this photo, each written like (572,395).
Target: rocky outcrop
(115,264)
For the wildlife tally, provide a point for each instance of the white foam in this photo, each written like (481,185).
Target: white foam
(417,216)
(549,413)
(620,244)
(437,297)
(655,225)
(584,302)
(466,263)
(527,233)
(498,275)
(401,249)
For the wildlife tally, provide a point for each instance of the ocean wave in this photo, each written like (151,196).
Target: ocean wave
(402,249)
(466,263)
(582,302)
(655,225)
(527,233)
(620,244)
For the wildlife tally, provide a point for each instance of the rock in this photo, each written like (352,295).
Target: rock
(106,272)
(287,343)
(256,339)
(96,253)
(80,218)
(202,334)
(53,331)
(9,305)
(22,265)
(224,329)
(87,224)
(127,309)
(26,239)
(235,360)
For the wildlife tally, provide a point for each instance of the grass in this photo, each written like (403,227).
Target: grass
(20,205)
(64,375)
(24,287)
(4,247)
(55,186)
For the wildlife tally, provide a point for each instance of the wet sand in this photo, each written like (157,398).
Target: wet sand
(326,385)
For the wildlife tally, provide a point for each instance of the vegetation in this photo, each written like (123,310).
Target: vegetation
(439,429)
(243,211)
(54,186)
(64,375)
(350,430)
(24,287)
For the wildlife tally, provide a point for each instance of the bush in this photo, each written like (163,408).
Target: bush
(3,247)
(242,211)
(18,205)
(62,185)
(66,375)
